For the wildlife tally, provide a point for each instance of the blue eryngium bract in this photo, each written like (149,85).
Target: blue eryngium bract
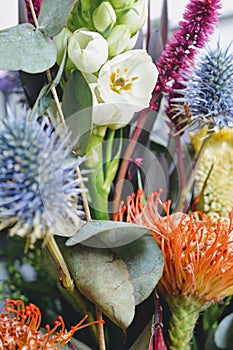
(39,189)
(209,90)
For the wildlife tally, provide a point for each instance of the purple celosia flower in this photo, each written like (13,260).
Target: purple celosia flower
(197,25)
(36,5)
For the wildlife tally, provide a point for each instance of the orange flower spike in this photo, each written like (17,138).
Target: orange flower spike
(19,325)
(198,261)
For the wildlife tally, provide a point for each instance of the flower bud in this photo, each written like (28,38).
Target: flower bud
(132,42)
(104,18)
(135,17)
(121,4)
(118,40)
(87,50)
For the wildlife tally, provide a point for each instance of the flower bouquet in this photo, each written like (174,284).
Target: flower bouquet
(116,178)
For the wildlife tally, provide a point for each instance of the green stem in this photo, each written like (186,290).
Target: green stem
(98,197)
(185,313)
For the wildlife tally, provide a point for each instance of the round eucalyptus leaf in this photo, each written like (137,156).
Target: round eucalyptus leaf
(53,15)
(107,233)
(103,279)
(144,261)
(223,335)
(26,48)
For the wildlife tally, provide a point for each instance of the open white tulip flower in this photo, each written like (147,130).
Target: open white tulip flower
(124,86)
(128,78)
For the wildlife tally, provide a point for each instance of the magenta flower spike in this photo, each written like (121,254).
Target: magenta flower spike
(198,24)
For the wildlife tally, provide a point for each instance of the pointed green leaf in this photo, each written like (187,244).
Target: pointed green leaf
(41,104)
(25,48)
(77,109)
(144,261)
(142,342)
(107,234)
(210,343)
(103,279)
(53,15)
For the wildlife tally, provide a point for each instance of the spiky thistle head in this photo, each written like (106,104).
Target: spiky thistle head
(208,92)
(39,189)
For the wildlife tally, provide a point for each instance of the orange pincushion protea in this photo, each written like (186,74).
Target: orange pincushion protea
(197,248)
(19,328)
(198,260)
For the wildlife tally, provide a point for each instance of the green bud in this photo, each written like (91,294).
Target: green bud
(104,18)
(118,40)
(121,4)
(135,17)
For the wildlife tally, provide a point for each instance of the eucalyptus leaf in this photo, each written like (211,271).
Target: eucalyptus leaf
(77,109)
(223,335)
(107,234)
(53,15)
(144,261)
(26,48)
(104,280)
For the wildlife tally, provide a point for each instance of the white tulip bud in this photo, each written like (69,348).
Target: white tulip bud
(87,50)
(104,18)
(135,17)
(118,40)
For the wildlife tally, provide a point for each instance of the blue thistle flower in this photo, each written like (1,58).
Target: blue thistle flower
(209,90)
(39,189)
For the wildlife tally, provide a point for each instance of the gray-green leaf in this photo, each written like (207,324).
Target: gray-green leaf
(53,15)
(26,48)
(223,335)
(103,279)
(107,234)
(144,261)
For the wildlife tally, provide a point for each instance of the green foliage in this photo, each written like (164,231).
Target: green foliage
(143,340)
(115,279)
(222,337)
(76,105)
(26,48)
(53,15)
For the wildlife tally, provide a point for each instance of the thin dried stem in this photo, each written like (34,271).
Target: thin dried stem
(100,329)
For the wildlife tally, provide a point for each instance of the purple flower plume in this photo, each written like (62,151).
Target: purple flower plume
(198,24)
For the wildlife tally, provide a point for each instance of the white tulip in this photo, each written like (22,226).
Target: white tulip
(123,87)
(128,78)
(87,50)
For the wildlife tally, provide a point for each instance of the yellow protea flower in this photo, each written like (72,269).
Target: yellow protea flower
(214,176)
